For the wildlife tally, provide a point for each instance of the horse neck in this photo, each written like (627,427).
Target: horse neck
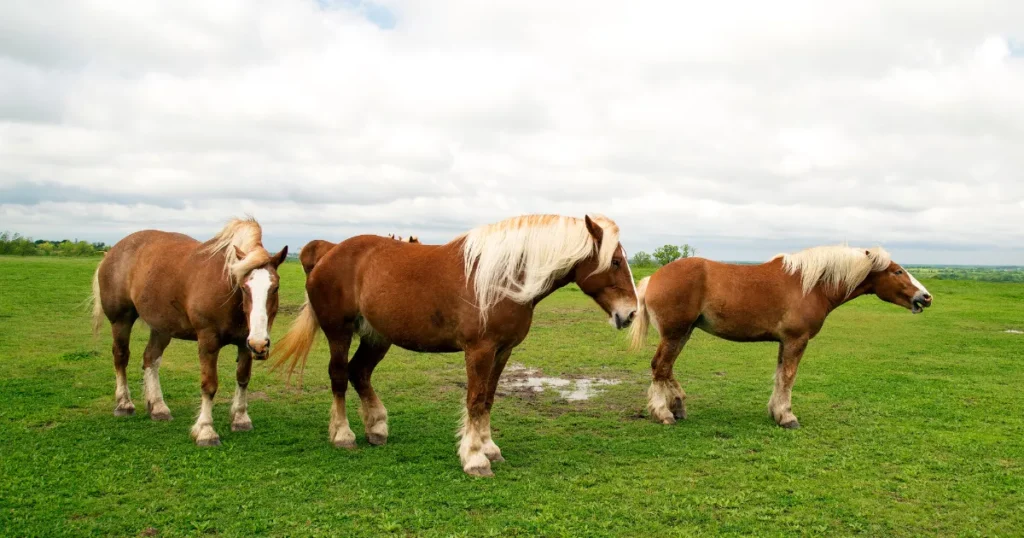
(833,299)
(556,285)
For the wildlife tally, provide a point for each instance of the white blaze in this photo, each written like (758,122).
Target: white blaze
(259,288)
(920,286)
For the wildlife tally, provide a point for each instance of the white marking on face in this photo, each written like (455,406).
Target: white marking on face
(919,285)
(259,289)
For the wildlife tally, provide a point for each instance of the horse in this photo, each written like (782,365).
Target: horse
(476,294)
(220,292)
(784,300)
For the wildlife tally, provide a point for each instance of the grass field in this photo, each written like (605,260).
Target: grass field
(912,425)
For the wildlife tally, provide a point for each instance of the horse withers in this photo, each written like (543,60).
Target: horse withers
(475,294)
(784,300)
(220,292)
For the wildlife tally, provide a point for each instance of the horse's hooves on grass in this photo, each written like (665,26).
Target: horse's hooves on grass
(377,440)
(214,441)
(791,425)
(161,417)
(679,415)
(347,445)
(668,421)
(241,427)
(497,459)
(483,472)
(124,412)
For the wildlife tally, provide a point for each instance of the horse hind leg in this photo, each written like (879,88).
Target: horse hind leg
(154,395)
(666,399)
(121,329)
(339,430)
(375,416)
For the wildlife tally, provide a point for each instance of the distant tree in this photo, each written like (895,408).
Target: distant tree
(46,248)
(687,251)
(666,254)
(641,259)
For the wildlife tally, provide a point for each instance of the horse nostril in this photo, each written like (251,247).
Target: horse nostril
(927,297)
(631,316)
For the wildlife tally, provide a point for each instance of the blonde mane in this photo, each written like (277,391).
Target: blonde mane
(521,257)
(245,234)
(836,267)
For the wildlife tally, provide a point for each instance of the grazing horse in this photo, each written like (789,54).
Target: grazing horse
(475,294)
(411,239)
(784,300)
(218,293)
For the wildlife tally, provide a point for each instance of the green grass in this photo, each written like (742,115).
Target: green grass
(912,425)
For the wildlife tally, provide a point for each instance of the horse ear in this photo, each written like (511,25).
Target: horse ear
(867,253)
(239,253)
(279,258)
(594,230)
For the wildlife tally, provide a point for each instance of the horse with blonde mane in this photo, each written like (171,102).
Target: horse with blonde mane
(784,300)
(475,294)
(220,292)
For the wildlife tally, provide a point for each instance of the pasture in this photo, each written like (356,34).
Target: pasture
(912,425)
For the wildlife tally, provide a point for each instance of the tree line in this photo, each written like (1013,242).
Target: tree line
(662,255)
(14,244)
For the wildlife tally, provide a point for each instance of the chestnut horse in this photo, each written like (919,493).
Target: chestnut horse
(475,294)
(218,293)
(784,300)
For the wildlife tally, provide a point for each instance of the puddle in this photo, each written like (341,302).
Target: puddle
(1013,331)
(518,379)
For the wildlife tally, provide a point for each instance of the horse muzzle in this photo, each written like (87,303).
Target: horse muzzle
(260,351)
(920,302)
(622,321)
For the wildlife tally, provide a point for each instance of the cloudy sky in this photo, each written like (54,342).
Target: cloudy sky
(744,128)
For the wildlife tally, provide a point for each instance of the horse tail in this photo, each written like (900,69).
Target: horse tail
(294,347)
(638,330)
(97,303)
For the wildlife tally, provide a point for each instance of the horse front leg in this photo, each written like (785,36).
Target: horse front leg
(202,431)
(240,421)
(666,399)
(476,419)
(780,406)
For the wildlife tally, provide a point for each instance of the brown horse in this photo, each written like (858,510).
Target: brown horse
(475,294)
(784,300)
(315,249)
(218,293)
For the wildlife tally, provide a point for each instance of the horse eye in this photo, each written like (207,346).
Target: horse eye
(899,272)
(616,263)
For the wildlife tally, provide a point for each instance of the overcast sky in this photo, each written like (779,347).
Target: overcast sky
(743,128)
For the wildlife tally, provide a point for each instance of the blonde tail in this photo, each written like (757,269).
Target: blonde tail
(638,330)
(97,303)
(297,342)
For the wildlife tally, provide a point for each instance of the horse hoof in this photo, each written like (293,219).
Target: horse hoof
(482,472)
(377,439)
(347,445)
(668,421)
(124,411)
(496,459)
(213,441)
(241,427)
(680,415)
(161,417)
(791,425)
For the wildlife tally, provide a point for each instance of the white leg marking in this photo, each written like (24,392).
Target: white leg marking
(666,401)
(240,421)
(339,430)
(471,453)
(158,410)
(375,420)
(122,396)
(780,405)
(202,431)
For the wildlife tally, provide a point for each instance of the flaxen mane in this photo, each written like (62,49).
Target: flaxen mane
(247,236)
(521,257)
(836,267)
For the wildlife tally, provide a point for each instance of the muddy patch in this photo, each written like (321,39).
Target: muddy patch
(528,382)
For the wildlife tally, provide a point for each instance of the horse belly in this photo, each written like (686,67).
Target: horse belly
(736,327)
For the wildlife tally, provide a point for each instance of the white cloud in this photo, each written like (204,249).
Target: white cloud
(743,127)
